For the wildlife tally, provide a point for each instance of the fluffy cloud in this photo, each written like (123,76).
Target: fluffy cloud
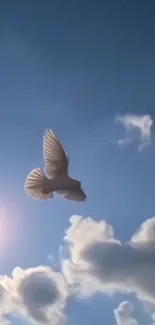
(123,314)
(37,293)
(100,262)
(143,123)
(6,305)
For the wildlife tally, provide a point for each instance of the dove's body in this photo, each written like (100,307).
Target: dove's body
(60,183)
(40,186)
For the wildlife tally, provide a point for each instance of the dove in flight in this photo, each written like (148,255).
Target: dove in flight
(56,160)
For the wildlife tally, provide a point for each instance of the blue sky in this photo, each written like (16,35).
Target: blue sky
(73,67)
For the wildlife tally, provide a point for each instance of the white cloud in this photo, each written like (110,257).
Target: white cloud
(4,321)
(153,319)
(143,123)
(100,262)
(124,142)
(37,293)
(6,305)
(123,314)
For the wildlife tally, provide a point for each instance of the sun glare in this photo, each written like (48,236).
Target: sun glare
(6,229)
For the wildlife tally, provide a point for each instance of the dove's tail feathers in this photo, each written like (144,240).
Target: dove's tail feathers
(37,185)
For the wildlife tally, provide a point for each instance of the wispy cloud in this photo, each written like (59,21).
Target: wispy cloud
(122,142)
(153,319)
(123,314)
(143,123)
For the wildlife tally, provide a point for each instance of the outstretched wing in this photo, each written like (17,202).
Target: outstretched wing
(56,160)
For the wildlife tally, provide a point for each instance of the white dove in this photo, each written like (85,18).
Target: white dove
(41,187)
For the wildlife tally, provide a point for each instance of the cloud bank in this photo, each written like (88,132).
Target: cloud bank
(98,262)
(143,123)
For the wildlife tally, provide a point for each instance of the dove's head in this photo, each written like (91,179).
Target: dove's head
(82,195)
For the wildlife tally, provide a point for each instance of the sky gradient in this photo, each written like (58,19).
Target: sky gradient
(75,67)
